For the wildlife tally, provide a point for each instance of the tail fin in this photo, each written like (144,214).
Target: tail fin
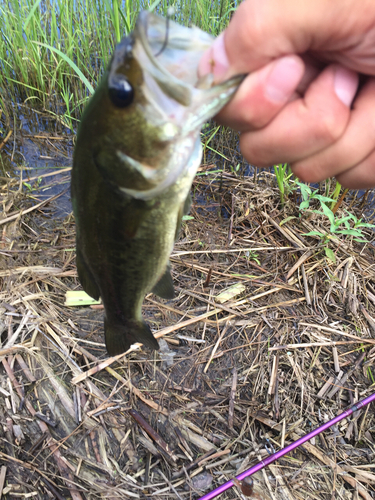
(120,336)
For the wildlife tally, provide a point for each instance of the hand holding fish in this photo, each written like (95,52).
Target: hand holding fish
(302,102)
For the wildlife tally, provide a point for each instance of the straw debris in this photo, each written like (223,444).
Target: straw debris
(266,340)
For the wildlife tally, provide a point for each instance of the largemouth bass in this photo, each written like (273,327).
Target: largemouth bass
(137,151)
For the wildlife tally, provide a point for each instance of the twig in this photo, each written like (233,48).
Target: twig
(232,250)
(152,433)
(31,209)
(299,262)
(2,144)
(216,346)
(170,484)
(305,286)
(338,332)
(232,396)
(3,472)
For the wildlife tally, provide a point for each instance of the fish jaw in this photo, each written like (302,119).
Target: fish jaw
(171,102)
(170,55)
(186,157)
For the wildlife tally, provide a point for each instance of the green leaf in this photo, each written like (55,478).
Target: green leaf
(154,5)
(328,212)
(324,199)
(343,220)
(72,64)
(305,190)
(350,232)
(127,24)
(313,233)
(31,13)
(330,254)
(364,224)
(287,220)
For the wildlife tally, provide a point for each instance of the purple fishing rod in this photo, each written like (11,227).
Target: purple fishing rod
(288,449)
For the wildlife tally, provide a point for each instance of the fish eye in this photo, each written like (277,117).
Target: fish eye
(120,91)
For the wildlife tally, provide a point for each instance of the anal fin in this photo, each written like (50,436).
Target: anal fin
(164,287)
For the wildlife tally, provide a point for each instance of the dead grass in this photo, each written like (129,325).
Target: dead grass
(233,381)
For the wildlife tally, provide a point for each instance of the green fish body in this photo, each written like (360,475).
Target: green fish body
(137,151)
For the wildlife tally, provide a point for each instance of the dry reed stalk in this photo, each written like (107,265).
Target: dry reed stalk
(223,402)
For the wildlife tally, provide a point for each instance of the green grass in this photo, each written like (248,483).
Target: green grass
(53,52)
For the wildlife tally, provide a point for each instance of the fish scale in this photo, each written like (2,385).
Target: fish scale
(137,151)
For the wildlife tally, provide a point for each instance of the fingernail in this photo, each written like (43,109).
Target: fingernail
(345,85)
(215,59)
(283,79)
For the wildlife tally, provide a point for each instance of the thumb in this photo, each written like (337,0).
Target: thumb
(261,31)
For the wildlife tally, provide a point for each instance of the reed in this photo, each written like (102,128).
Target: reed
(53,52)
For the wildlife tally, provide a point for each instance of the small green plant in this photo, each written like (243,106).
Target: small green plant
(35,186)
(343,226)
(335,195)
(348,225)
(250,255)
(207,136)
(283,174)
(235,169)
(309,195)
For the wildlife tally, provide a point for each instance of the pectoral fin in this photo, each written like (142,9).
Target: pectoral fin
(187,204)
(184,210)
(85,277)
(164,287)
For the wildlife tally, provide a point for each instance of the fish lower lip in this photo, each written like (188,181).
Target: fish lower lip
(150,174)
(153,189)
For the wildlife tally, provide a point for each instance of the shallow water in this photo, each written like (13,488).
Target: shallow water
(40,153)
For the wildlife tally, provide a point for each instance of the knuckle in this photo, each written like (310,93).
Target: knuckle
(256,155)
(306,175)
(328,125)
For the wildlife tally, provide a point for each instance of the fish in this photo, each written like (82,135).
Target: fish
(136,154)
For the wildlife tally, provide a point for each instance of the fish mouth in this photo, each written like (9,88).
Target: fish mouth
(169,55)
(174,52)
(150,174)
(185,164)
(174,102)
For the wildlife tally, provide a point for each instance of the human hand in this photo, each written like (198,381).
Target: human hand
(301,102)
